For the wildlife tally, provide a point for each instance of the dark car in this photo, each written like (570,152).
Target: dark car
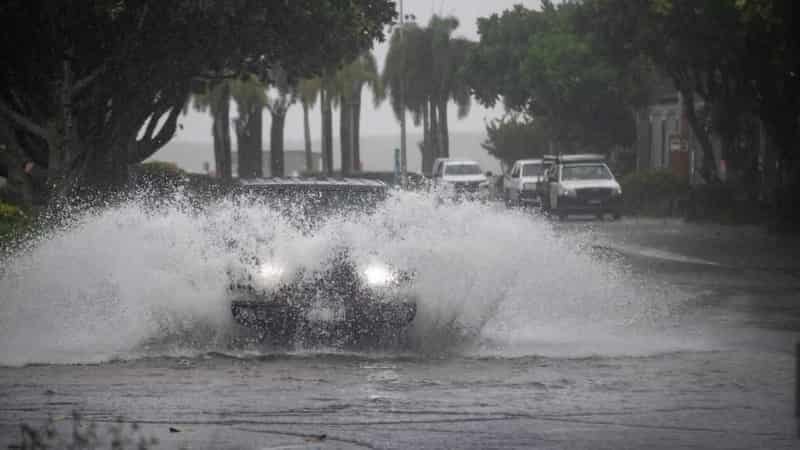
(341,302)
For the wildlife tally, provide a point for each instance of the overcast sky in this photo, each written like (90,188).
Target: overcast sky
(381,121)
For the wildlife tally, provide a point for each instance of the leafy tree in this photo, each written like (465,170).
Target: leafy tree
(110,78)
(216,98)
(349,83)
(515,137)
(537,63)
(728,58)
(278,105)
(423,73)
(251,99)
(308,92)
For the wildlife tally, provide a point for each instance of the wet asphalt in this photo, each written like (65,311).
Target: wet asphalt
(732,385)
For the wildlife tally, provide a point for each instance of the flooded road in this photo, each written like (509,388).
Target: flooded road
(532,334)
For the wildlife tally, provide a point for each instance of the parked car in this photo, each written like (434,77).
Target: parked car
(457,178)
(582,184)
(522,184)
(343,300)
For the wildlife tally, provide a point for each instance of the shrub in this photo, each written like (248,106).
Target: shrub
(12,221)
(653,192)
(161,168)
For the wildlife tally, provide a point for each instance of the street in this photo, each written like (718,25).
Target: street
(707,363)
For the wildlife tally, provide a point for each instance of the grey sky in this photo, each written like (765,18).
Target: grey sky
(381,121)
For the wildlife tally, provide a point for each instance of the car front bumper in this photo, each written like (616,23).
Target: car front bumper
(574,205)
(344,317)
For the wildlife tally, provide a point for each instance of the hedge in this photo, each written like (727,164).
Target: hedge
(654,192)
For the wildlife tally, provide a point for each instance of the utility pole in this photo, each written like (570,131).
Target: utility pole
(403,161)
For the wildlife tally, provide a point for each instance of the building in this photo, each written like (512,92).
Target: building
(294,161)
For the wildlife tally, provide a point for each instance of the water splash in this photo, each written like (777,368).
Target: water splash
(134,280)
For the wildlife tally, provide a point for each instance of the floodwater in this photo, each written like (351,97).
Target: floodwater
(529,333)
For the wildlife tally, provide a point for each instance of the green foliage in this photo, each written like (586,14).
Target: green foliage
(12,221)
(653,192)
(109,79)
(515,137)
(738,56)
(162,168)
(538,63)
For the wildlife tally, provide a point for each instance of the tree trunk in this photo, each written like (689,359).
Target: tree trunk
(276,143)
(427,154)
(344,136)
(249,130)
(221,131)
(444,133)
(434,131)
(307,138)
(327,131)
(356,127)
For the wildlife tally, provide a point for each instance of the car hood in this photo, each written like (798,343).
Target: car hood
(464,178)
(582,184)
(532,179)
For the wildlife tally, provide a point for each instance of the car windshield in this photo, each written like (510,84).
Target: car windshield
(462,169)
(309,206)
(532,170)
(586,172)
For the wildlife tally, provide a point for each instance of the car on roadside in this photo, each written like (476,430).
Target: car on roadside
(457,178)
(582,184)
(522,184)
(339,301)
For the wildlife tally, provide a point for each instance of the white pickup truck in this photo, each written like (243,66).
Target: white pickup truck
(582,184)
(456,178)
(522,184)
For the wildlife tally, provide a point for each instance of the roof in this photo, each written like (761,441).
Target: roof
(582,158)
(320,182)
(530,161)
(460,161)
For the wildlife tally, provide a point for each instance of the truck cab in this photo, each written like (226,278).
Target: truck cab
(457,177)
(522,184)
(582,184)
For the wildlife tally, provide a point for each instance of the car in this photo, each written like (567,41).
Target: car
(522,184)
(582,184)
(457,178)
(339,301)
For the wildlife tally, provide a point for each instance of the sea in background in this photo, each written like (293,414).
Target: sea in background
(377,152)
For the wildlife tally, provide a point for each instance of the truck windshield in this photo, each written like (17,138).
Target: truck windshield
(586,172)
(462,169)
(532,170)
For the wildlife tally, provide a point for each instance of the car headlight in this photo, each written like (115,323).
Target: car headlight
(269,274)
(617,191)
(378,275)
(530,186)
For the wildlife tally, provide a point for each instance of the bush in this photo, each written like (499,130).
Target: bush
(161,168)
(12,221)
(654,192)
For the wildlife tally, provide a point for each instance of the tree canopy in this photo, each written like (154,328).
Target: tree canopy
(538,63)
(110,77)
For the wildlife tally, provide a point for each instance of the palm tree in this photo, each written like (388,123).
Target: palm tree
(308,91)
(349,83)
(424,67)
(217,99)
(250,96)
(278,105)
(326,95)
